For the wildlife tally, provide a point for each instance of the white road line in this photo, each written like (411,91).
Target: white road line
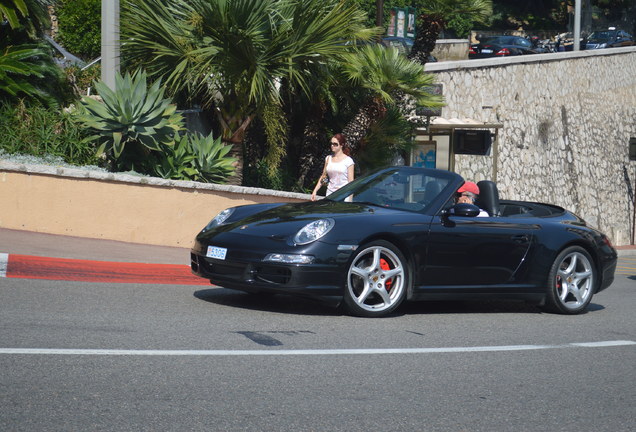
(4,261)
(314,352)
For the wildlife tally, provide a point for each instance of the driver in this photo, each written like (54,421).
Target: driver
(468,194)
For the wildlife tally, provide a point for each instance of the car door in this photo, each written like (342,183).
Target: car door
(475,251)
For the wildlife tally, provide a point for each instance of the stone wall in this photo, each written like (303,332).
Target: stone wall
(567,121)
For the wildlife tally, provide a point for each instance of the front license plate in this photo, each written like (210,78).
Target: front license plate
(216,252)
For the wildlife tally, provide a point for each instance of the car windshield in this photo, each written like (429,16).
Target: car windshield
(405,188)
(602,35)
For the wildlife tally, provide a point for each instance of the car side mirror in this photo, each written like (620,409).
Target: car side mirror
(466,210)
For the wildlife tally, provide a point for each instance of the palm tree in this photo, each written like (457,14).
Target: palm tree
(387,77)
(29,15)
(25,72)
(433,19)
(233,56)
(27,69)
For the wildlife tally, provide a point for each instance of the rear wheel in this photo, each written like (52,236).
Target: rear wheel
(571,281)
(377,280)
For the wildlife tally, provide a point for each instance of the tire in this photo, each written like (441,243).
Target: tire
(377,280)
(571,282)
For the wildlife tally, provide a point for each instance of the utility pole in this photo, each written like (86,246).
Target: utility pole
(110,41)
(577,26)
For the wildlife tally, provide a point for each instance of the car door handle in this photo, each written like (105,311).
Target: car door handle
(521,238)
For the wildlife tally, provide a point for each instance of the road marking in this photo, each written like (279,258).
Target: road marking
(309,352)
(4,259)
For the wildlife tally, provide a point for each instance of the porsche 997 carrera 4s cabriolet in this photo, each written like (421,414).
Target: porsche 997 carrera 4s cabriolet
(399,234)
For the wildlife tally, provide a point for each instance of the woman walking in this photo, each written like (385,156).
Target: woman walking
(338,170)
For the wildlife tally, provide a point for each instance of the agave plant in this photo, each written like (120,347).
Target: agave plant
(132,114)
(212,161)
(198,158)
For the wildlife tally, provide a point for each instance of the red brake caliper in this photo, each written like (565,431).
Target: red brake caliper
(385,266)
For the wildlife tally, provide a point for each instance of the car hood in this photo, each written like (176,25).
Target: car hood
(285,220)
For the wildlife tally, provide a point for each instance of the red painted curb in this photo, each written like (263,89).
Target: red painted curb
(35,267)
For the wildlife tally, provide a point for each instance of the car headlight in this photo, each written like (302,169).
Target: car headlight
(313,231)
(219,219)
(603,45)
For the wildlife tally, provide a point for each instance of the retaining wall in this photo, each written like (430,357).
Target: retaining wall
(128,208)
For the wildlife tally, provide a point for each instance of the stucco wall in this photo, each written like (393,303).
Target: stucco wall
(451,49)
(127,208)
(567,121)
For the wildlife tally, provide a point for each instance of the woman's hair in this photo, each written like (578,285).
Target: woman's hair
(342,140)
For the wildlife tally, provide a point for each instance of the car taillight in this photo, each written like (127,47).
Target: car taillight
(471,50)
(503,52)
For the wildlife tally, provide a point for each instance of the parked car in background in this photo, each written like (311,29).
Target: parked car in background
(611,38)
(502,46)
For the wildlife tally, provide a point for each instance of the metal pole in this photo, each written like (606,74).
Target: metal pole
(110,41)
(577,26)
(633,239)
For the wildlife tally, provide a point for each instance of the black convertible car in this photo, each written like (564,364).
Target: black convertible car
(398,235)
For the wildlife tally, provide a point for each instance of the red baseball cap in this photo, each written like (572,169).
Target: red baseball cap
(469,187)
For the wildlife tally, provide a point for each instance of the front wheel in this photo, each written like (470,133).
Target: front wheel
(571,281)
(377,280)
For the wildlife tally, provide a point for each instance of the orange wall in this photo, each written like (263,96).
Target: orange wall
(166,213)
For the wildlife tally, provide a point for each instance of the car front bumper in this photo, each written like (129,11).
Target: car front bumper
(246,270)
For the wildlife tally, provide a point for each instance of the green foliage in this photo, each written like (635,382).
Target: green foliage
(385,73)
(132,116)
(197,158)
(275,127)
(80,27)
(233,55)
(29,16)
(38,131)
(82,80)
(390,136)
(28,71)
(461,25)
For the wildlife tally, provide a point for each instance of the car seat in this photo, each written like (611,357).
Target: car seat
(488,197)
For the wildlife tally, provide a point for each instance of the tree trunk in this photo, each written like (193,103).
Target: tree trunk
(312,148)
(234,137)
(428,30)
(357,128)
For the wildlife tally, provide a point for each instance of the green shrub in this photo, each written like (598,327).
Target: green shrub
(83,80)
(27,71)
(197,158)
(131,121)
(79,24)
(136,129)
(38,131)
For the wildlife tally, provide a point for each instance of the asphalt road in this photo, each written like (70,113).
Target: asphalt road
(77,356)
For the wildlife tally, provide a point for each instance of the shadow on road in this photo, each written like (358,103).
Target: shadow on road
(302,306)
(266,302)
